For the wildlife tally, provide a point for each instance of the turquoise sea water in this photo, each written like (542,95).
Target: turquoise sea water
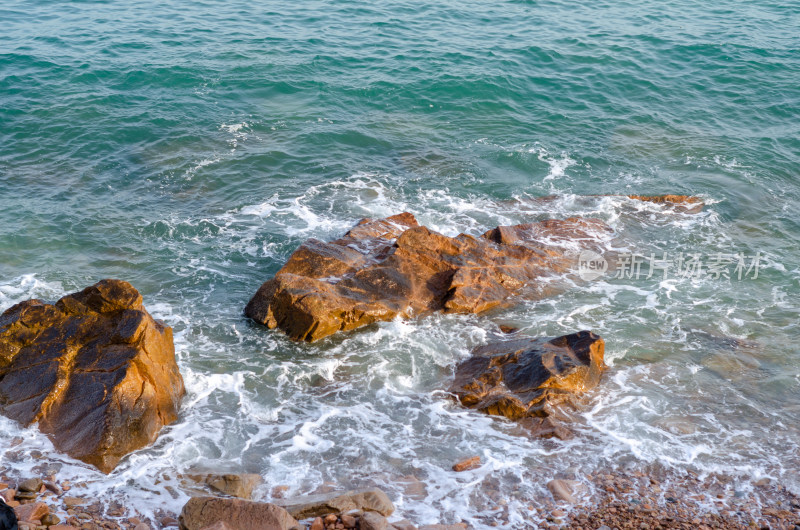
(190,147)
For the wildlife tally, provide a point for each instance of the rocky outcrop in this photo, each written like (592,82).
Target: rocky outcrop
(394,267)
(525,377)
(95,370)
(372,500)
(203,512)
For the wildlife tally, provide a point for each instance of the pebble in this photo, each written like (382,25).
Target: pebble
(467,464)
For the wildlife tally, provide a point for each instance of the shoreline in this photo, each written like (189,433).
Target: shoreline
(640,499)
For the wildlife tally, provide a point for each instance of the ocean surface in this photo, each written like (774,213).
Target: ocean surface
(189,148)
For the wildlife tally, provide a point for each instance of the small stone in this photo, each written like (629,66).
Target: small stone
(71,502)
(26,495)
(278,492)
(318,524)
(403,524)
(31,512)
(331,518)
(30,485)
(468,464)
(564,490)
(348,520)
(169,521)
(50,519)
(142,526)
(373,521)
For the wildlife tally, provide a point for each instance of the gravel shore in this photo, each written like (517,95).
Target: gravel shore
(614,500)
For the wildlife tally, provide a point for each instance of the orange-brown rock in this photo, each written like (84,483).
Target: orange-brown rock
(682,203)
(525,377)
(394,267)
(95,370)
(467,464)
(238,514)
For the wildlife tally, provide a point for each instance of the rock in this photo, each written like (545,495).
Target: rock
(373,521)
(236,485)
(525,377)
(26,495)
(62,527)
(467,464)
(546,427)
(71,502)
(456,526)
(349,520)
(564,490)
(142,526)
(239,514)
(32,485)
(403,524)
(318,524)
(94,370)
(393,267)
(52,486)
(168,522)
(279,492)
(331,519)
(50,519)
(373,500)
(31,512)
(8,495)
(413,488)
(219,525)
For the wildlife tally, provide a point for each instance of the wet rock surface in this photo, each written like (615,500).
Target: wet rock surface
(370,500)
(202,512)
(95,370)
(525,377)
(234,484)
(388,267)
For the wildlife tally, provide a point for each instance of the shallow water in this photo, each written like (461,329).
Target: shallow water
(190,150)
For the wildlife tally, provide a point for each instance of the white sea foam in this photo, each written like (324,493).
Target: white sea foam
(371,407)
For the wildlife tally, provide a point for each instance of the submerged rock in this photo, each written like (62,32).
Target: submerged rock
(95,370)
(234,484)
(203,512)
(372,500)
(681,203)
(565,490)
(524,377)
(394,267)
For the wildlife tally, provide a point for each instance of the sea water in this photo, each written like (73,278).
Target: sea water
(190,148)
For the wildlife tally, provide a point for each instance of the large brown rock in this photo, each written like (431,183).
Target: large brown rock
(203,512)
(525,377)
(388,267)
(94,370)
